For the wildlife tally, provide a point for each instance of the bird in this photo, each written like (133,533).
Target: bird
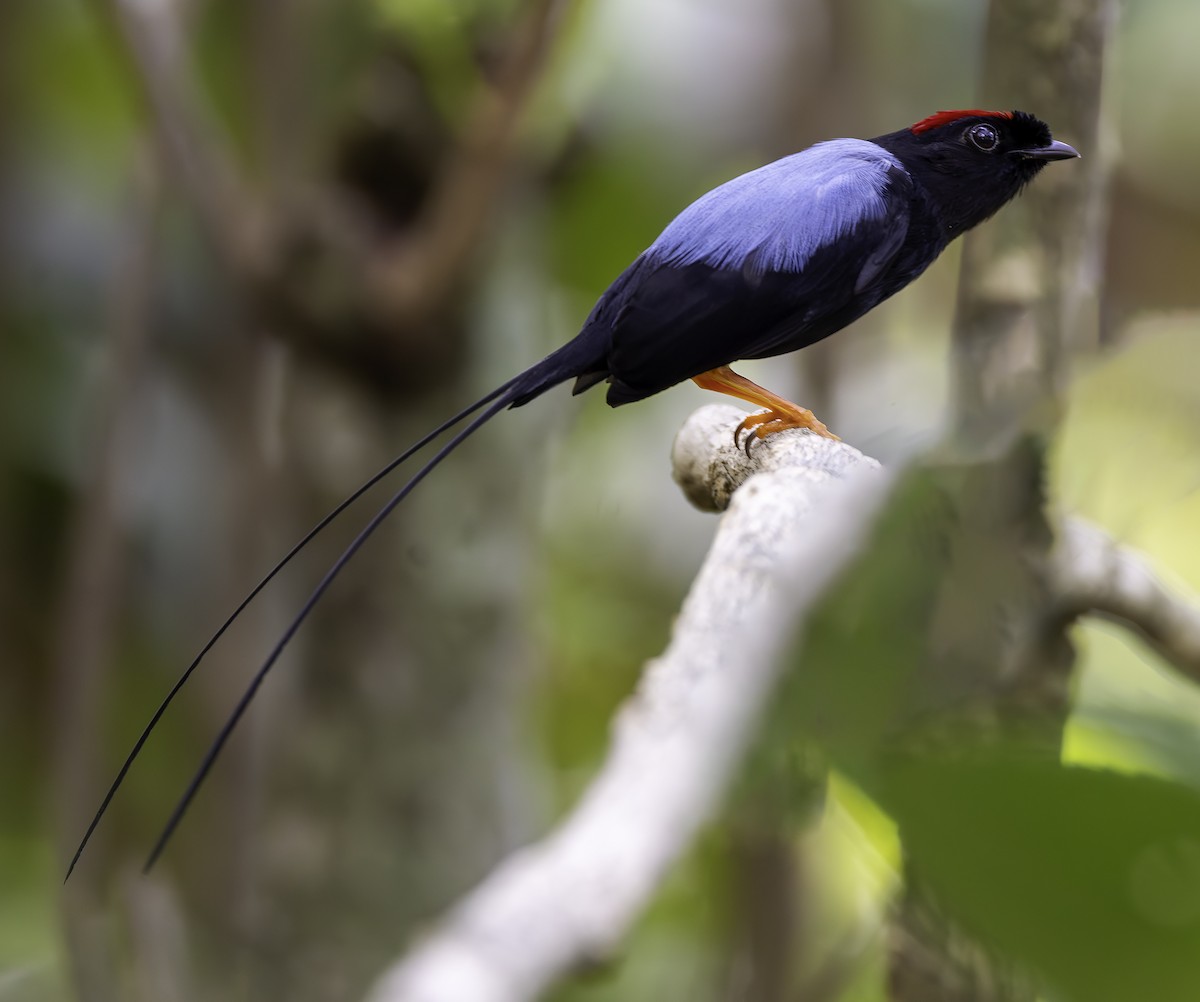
(767,263)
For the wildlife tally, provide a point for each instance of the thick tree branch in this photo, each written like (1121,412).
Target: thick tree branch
(1091,573)
(709,466)
(569,899)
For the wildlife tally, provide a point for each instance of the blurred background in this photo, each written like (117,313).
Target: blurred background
(250,249)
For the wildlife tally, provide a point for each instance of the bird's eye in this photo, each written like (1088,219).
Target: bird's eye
(983,137)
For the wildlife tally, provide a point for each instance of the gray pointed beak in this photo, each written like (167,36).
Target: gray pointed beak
(1055,151)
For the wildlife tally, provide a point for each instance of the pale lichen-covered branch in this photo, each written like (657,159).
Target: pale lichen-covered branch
(1093,574)
(569,899)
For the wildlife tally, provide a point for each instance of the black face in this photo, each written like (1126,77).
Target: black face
(972,164)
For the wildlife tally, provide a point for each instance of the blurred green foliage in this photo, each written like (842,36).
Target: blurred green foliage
(382,767)
(1091,877)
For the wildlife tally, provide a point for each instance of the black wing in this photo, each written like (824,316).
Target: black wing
(669,323)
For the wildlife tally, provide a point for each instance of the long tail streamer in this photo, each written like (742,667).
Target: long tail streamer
(309,536)
(239,710)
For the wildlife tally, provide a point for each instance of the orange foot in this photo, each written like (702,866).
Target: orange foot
(768,422)
(779,415)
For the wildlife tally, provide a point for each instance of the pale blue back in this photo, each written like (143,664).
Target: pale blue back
(777,216)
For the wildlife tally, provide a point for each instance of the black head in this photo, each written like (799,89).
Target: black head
(973,162)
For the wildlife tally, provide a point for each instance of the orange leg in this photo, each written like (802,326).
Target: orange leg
(779,415)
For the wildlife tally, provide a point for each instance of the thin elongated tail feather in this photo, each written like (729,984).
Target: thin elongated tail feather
(243,703)
(270,575)
(585,353)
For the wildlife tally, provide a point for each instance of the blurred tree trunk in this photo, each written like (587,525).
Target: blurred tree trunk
(380,773)
(396,772)
(396,760)
(91,605)
(1029,284)
(1026,300)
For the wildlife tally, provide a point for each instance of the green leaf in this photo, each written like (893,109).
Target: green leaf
(1090,877)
